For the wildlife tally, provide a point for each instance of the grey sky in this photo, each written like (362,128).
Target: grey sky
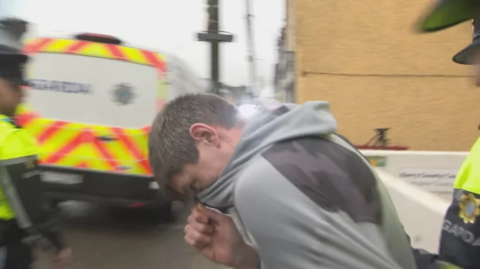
(165,25)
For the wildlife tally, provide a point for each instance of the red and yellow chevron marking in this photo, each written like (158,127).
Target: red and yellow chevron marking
(124,150)
(108,51)
(99,148)
(87,48)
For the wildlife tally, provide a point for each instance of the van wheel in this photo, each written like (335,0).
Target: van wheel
(160,207)
(54,204)
(161,212)
(158,211)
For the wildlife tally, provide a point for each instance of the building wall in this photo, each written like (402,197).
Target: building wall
(365,58)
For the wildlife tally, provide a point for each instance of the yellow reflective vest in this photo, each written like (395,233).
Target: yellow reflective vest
(15,143)
(460,239)
(468,177)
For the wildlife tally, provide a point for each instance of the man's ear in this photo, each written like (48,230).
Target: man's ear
(203,132)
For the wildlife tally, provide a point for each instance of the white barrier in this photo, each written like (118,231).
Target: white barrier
(429,170)
(421,186)
(421,212)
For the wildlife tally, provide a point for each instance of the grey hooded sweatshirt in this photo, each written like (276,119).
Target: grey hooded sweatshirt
(306,198)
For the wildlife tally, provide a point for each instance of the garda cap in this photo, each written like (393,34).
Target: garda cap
(11,67)
(466,55)
(447,13)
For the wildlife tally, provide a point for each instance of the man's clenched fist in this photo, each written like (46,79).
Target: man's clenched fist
(215,236)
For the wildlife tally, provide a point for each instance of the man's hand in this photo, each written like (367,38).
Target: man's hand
(63,256)
(216,237)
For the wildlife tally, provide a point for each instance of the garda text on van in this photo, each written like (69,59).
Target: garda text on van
(60,86)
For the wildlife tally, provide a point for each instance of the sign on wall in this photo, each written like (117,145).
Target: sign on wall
(377,161)
(435,180)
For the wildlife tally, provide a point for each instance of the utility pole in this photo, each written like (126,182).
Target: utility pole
(252,89)
(214,36)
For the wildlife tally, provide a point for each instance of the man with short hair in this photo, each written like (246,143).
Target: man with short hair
(279,191)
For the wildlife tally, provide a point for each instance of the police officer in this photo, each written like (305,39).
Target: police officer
(25,220)
(460,238)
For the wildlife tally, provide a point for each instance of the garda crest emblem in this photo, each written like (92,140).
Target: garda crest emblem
(123,94)
(469,208)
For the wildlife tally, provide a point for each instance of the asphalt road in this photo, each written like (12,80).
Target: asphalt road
(105,238)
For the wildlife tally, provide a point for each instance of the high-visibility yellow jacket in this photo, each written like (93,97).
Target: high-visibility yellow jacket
(21,197)
(15,144)
(460,240)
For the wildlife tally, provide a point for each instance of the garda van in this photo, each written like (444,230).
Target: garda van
(90,105)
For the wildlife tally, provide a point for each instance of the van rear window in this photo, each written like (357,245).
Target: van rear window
(92,90)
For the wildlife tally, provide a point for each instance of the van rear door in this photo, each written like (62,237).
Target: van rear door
(111,100)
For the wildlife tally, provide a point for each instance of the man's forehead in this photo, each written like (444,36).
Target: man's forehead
(180,180)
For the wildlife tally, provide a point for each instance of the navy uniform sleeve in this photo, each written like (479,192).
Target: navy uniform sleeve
(460,239)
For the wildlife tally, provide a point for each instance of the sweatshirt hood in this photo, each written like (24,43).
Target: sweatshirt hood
(267,127)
